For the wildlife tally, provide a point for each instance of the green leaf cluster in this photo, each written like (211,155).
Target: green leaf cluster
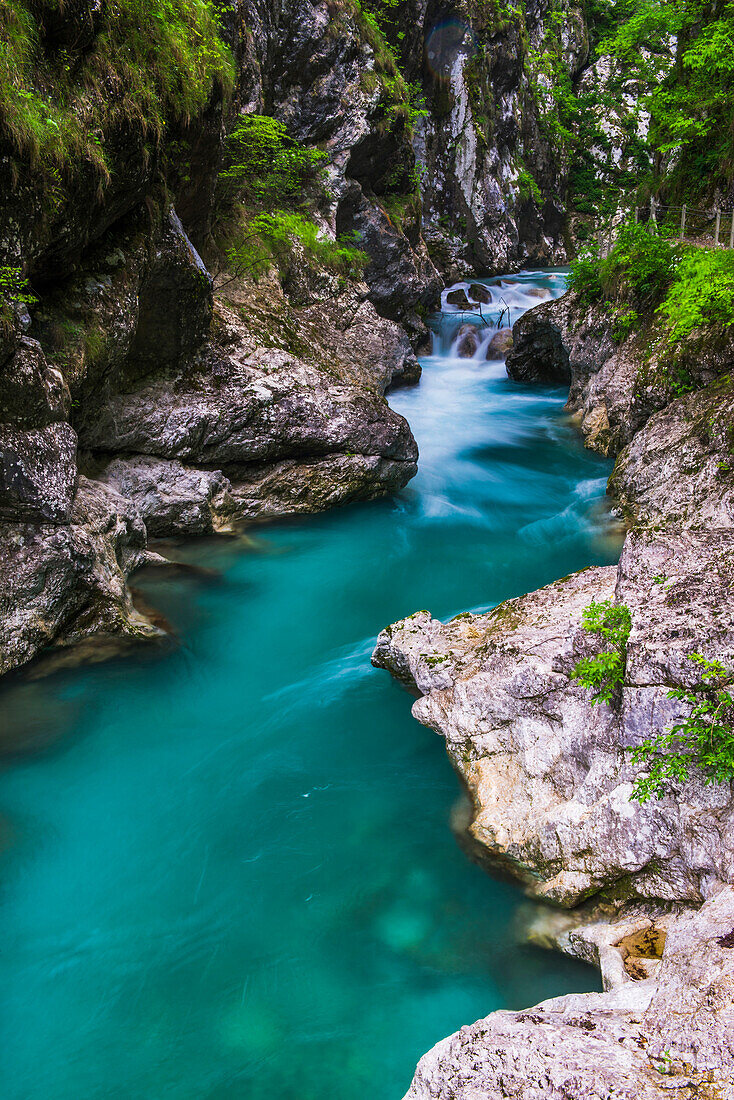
(702,294)
(640,267)
(264,165)
(703,740)
(270,239)
(14,286)
(689,102)
(604,672)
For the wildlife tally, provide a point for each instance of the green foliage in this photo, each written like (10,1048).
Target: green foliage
(528,187)
(14,286)
(264,165)
(624,323)
(704,740)
(149,62)
(689,102)
(585,277)
(604,672)
(270,239)
(642,262)
(702,294)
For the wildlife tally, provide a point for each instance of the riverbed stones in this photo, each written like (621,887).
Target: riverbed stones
(480,293)
(467,341)
(459,299)
(500,345)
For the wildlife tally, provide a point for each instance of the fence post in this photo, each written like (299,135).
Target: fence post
(652,210)
(731,235)
(718,226)
(637,214)
(683,221)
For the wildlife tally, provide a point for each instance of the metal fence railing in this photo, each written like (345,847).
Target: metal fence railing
(707,228)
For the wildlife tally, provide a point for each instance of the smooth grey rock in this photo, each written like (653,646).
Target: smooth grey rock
(38,473)
(172,499)
(546,772)
(61,583)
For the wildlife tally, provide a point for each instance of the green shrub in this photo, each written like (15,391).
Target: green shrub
(641,263)
(624,323)
(14,287)
(702,294)
(265,166)
(270,239)
(604,672)
(703,740)
(585,277)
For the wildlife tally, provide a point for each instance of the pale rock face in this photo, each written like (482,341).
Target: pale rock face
(545,770)
(654,1038)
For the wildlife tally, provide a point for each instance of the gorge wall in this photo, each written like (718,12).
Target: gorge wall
(136,402)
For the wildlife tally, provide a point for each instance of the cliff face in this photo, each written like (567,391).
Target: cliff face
(133,403)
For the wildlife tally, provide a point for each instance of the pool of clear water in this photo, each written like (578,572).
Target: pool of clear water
(229,871)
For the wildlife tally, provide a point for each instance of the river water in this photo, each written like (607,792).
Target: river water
(228,872)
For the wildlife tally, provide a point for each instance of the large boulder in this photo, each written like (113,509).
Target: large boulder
(59,584)
(546,772)
(38,473)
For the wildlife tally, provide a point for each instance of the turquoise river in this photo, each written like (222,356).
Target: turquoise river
(228,870)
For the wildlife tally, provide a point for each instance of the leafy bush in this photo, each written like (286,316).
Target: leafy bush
(702,294)
(604,672)
(585,277)
(642,262)
(264,165)
(703,740)
(14,286)
(269,239)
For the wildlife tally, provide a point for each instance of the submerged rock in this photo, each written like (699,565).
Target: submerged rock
(500,345)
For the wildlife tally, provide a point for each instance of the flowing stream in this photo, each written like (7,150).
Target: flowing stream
(228,872)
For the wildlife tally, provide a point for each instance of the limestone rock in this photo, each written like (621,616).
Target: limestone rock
(61,583)
(679,468)
(33,393)
(459,299)
(655,1038)
(37,473)
(467,341)
(480,293)
(615,387)
(171,498)
(500,345)
(546,772)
